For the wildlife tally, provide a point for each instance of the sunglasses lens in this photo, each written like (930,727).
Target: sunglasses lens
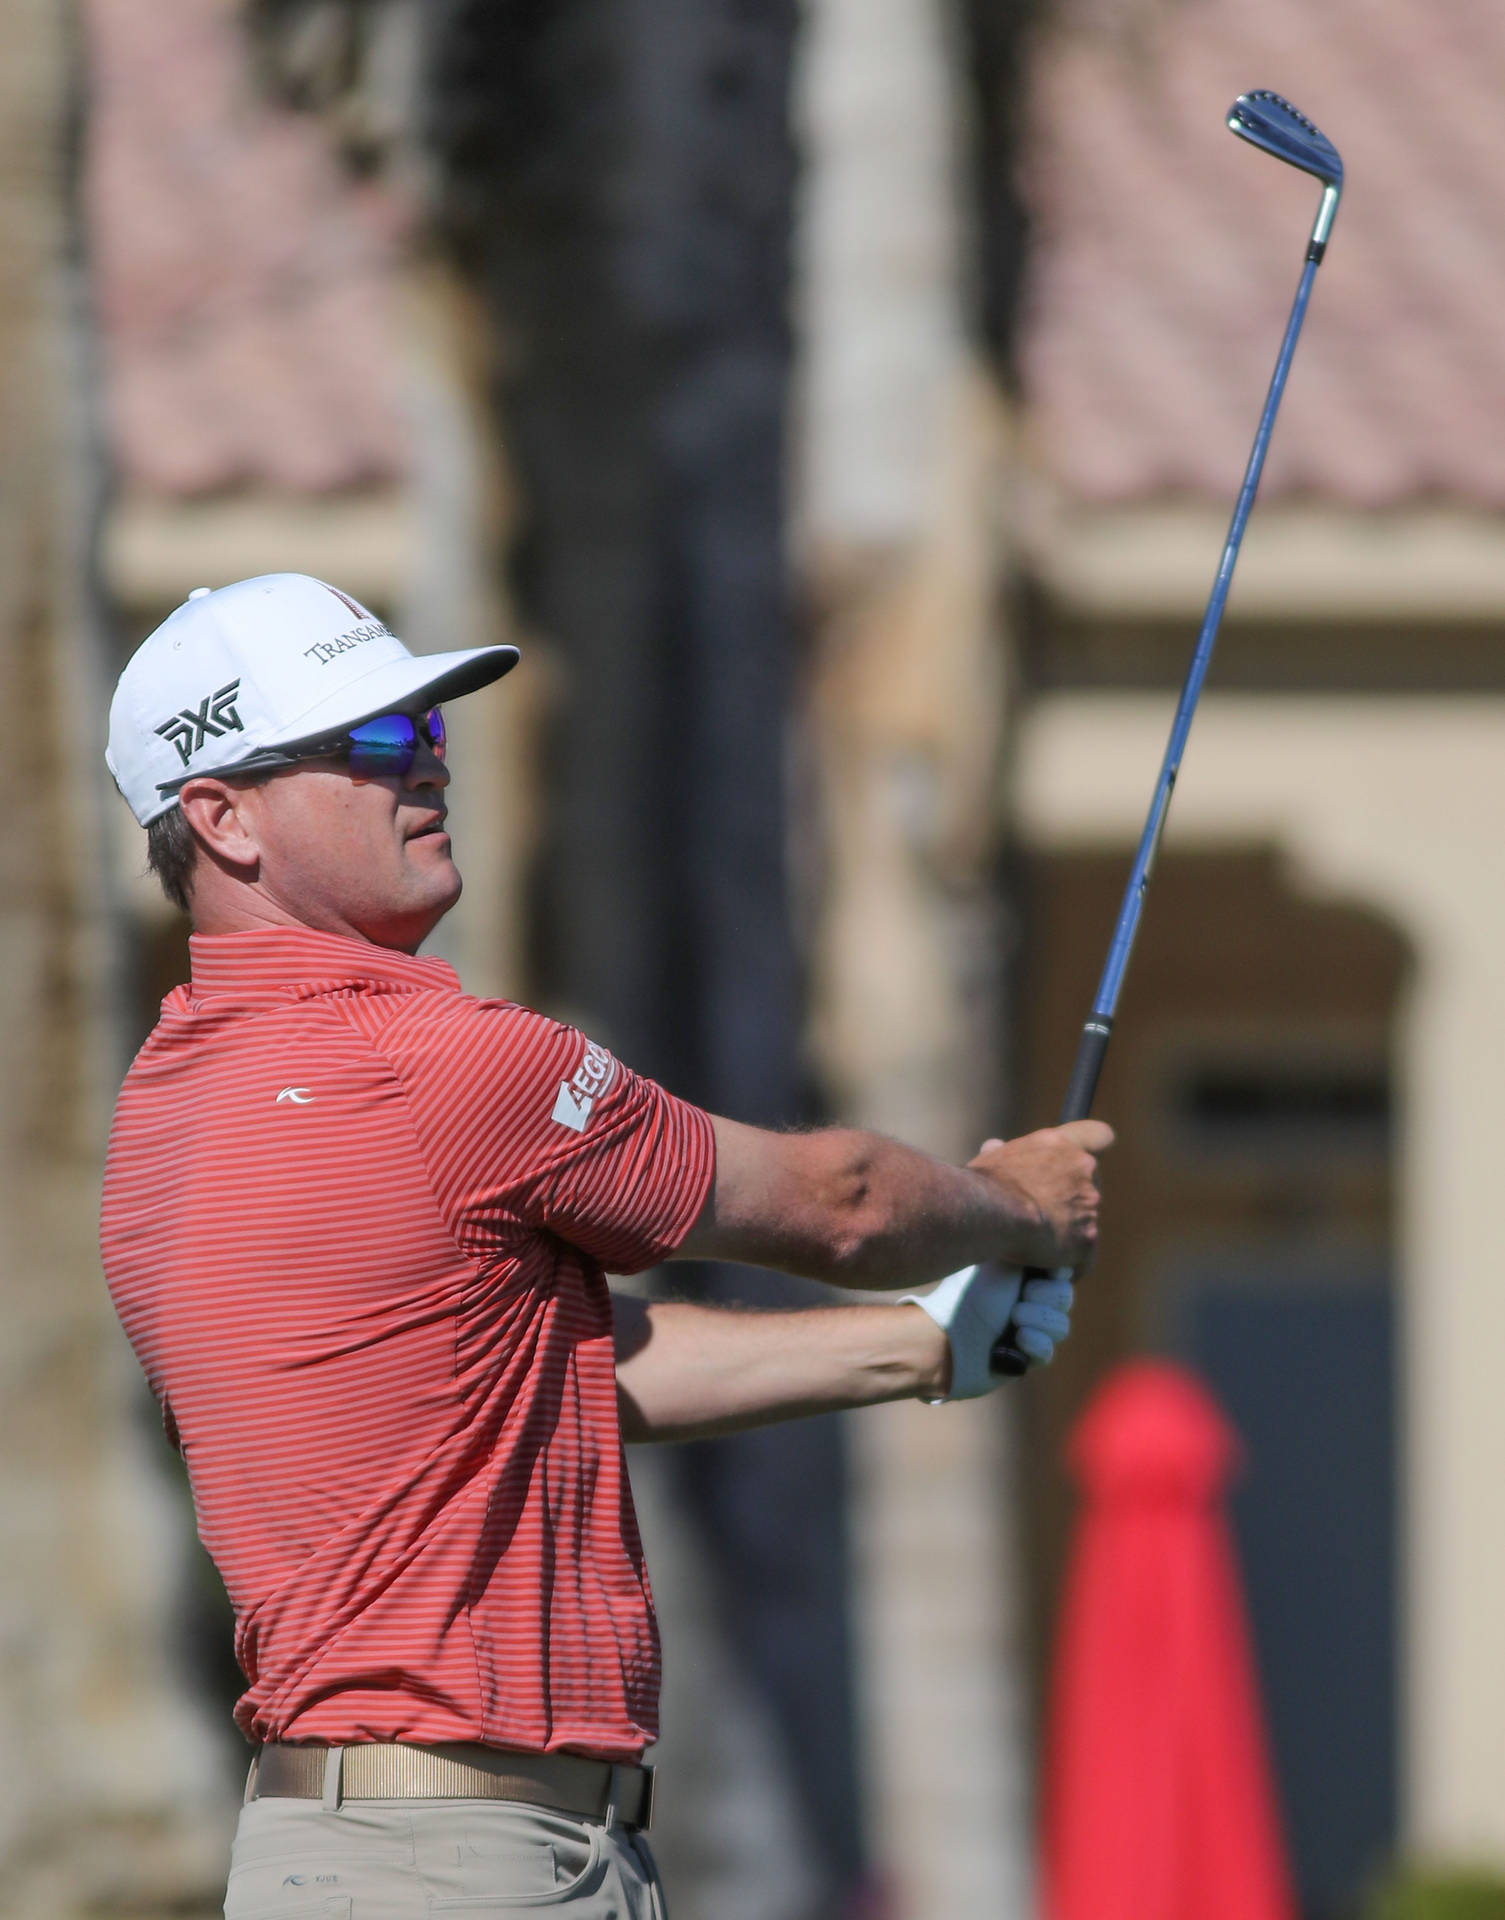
(388,743)
(383,745)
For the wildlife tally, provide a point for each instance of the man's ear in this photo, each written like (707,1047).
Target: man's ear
(221,822)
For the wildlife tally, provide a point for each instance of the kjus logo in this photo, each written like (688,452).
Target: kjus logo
(215,715)
(579,1094)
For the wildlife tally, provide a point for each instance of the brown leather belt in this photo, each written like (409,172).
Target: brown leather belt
(589,1789)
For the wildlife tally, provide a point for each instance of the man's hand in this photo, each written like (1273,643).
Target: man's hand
(1050,1178)
(974,1307)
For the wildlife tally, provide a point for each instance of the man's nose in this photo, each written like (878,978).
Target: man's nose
(427,770)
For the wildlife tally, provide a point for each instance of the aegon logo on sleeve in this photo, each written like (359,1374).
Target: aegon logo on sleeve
(579,1094)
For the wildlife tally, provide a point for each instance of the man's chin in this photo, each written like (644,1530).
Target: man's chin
(444,899)
(433,875)
(409,931)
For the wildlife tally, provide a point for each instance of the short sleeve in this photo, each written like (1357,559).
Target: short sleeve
(526,1124)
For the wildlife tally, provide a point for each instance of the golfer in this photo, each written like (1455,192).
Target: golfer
(357,1224)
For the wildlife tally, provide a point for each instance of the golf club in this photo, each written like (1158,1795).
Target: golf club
(1267,121)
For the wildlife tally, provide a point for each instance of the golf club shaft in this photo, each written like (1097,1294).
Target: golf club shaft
(1093,1046)
(1097,1030)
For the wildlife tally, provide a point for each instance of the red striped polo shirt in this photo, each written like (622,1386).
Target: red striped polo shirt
(356,1225)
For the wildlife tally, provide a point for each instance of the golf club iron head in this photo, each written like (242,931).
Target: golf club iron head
(1265,120)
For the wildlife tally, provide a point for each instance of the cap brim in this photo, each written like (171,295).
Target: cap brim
(430,677)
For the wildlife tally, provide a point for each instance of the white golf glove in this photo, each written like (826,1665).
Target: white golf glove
(974,1307)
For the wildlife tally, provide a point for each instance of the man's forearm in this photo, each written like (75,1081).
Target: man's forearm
(859,1210)
(685,1372)
(915,1218)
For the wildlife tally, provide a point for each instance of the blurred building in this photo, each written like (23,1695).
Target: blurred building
(247,292)
(1302,1203)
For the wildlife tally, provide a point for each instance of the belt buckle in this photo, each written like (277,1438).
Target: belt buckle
(650,1798)
(642,1818)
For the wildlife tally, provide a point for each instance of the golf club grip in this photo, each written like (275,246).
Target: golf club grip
(1081,1090)
(1087,1068)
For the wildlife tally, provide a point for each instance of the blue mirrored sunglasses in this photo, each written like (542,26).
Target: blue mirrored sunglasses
(386,745)
(389,743)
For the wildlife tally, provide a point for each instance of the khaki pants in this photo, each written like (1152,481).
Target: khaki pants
(412,1859)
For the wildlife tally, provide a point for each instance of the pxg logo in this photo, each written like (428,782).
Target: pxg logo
(216,714)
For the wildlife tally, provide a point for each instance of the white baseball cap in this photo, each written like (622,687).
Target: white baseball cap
(263,664)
